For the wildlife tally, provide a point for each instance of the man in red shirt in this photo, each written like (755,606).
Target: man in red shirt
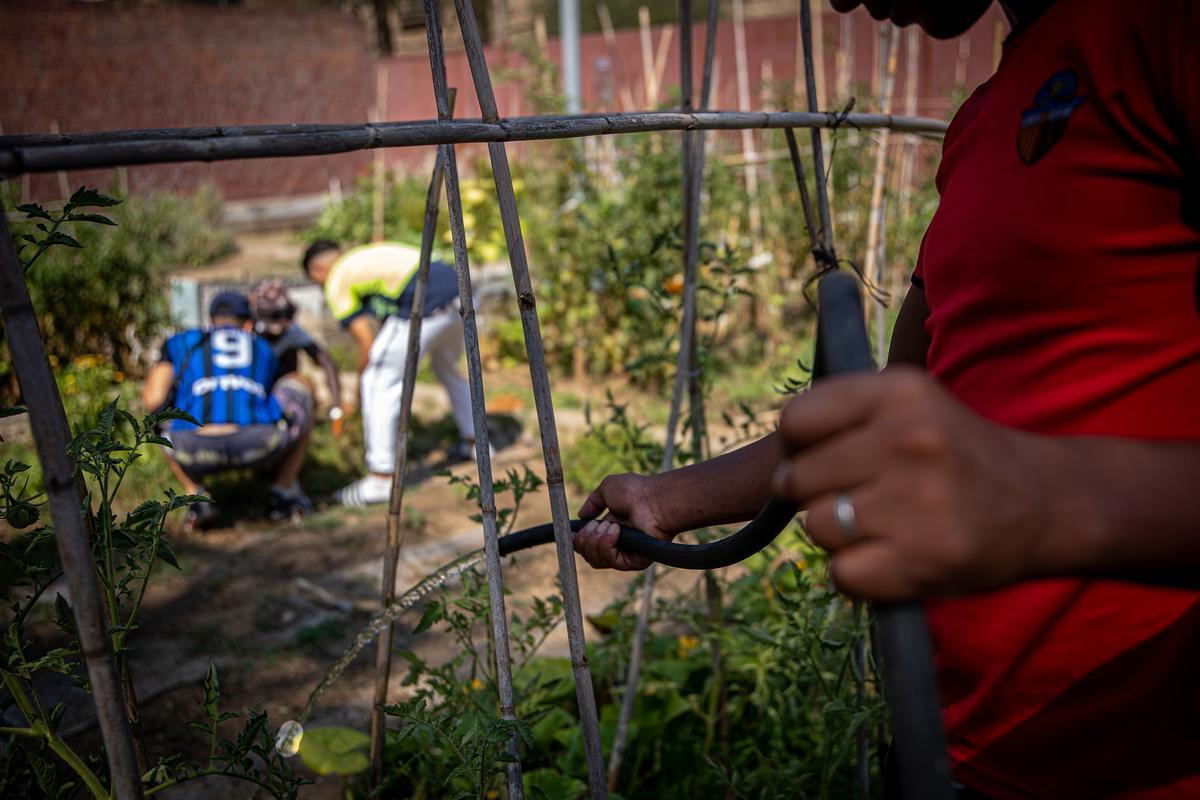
(1040,416)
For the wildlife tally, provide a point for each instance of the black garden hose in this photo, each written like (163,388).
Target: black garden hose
(841,347)
(756,535)
(920,746)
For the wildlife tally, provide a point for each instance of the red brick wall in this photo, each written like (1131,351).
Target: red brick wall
(97,66)
(109,65)
(770,42)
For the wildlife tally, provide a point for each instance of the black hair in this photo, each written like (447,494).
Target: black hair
(315,249)
(237,319)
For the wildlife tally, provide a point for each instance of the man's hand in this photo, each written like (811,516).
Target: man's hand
(629,501)
(944,501)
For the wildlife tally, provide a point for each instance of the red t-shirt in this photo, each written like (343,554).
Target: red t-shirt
(1061,274)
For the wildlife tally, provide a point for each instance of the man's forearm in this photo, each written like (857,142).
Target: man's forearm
(725,489)
(1119,507)
(331,378)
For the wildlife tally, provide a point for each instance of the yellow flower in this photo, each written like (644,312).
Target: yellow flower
(476,684)
(118,376)
(801,564)
(54,361)
(492,794)
(687,644)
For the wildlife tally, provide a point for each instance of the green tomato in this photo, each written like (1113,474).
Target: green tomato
(22,514)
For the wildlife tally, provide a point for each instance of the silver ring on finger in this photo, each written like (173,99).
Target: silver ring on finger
(843,513)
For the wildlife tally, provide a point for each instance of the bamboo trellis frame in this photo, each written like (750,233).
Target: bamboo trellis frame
(166,145)
(48,153)
(685,366)
(544,403)
(51,434)
(383,647)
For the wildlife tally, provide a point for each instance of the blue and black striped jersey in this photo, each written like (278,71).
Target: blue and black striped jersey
(225,376)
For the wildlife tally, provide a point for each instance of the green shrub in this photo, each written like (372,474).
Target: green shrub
(109,298)
(762,701)
(350,222)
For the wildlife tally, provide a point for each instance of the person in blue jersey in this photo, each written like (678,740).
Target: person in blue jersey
(225,377)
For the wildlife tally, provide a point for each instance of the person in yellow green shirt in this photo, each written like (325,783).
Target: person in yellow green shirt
(375,284)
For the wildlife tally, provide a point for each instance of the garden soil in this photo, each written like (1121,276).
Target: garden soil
(274,605)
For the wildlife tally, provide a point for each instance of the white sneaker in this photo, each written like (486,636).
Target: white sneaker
(366,491)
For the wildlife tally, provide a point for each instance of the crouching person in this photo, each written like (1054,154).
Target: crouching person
(224,376)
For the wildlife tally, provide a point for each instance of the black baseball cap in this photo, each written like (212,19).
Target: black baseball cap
(230,304)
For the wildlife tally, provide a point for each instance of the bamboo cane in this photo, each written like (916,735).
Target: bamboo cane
(50,433)
(826,233)
(829,254)
(873,262)
(483,459)
(572,612)
(18,158)
(412,133)
(487,500)
(660,61)
(912,74)
(693,190)
(844,59)
(818,43)
(614,55)
(960,63)
(743,90)
(395,532)
(693,159)
(378,200)
(646,40)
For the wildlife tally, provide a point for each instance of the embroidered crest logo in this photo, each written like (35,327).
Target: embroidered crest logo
(1044,124)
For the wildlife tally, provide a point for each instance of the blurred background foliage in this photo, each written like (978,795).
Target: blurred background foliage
(109,300)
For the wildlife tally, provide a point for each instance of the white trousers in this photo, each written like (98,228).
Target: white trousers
(383,381)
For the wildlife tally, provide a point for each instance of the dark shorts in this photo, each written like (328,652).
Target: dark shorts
(250,445)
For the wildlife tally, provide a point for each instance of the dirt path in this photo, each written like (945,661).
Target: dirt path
(274,606)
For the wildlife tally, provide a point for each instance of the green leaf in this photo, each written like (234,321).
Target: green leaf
(99,219)
(525,732)
(34,211)
(181,500)
(107,419)
(212,692)
(335,750)
(146,511)
(90,197)
(169,414)
(167,554)
(434,612)
(63,617)
(549,782)
(58,237)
